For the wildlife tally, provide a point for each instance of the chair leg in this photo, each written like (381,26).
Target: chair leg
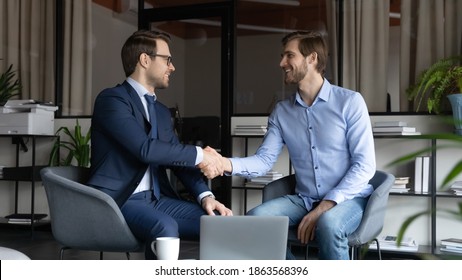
(355,253)
(101,255)
(61,252)
(378,248)
(128,255)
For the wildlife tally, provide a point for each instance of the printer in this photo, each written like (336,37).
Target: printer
(27,117)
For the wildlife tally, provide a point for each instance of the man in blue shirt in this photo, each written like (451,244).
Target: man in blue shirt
(327,131)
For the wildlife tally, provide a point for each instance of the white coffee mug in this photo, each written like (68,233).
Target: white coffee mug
(166,248)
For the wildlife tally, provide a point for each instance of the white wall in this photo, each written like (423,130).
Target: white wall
(109,35)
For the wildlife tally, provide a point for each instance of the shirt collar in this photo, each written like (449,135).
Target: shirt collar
(139,88)
(324,94)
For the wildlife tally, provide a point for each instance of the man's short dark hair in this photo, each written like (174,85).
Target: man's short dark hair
(141,41)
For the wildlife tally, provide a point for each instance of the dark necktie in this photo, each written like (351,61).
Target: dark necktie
(153,120)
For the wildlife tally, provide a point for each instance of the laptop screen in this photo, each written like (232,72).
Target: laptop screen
(243,237)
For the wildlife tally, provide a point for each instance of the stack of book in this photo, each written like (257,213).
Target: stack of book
(388,243)
(391,128)
(250,129)
(456,188)
(422,174)
(400,185)
(24,218)
(451,245)
(261,181)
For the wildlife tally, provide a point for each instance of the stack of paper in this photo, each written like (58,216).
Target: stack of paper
(456,188)
(451,245)
(265,179)
(400,185)
(24,218)
(391,128)
(388,243)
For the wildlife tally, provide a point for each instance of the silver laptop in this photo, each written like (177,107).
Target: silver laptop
(243,237)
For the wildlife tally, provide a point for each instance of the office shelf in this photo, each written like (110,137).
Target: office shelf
(29,173)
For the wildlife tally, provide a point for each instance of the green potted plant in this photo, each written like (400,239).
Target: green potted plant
(8,86)
(77,147)
(434,84)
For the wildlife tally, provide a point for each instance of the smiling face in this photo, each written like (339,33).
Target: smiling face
(160,67)
(293,63)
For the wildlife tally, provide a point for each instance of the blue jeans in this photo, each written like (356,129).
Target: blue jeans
(332,229)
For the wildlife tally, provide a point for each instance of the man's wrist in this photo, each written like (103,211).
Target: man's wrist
(207,196)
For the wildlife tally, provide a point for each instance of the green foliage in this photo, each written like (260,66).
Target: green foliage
(77,147)
(8,87)
(442,78)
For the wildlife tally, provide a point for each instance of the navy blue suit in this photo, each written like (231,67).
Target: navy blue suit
(122,149)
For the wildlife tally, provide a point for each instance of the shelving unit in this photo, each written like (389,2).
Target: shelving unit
(25,173)
(433,194)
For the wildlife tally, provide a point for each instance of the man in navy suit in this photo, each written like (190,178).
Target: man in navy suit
(133,142)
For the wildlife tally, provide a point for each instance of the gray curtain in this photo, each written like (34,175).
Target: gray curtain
(77,70)
(430,30)
(365,54)
(27,42)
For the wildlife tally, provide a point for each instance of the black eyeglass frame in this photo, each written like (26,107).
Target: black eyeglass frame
(168,57)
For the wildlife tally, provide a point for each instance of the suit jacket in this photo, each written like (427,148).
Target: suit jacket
(122,147)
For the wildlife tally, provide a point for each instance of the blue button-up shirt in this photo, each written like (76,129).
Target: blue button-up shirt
(330,144)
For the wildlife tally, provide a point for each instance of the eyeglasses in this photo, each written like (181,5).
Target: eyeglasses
(168,57)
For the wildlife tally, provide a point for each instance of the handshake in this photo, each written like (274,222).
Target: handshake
(214,164)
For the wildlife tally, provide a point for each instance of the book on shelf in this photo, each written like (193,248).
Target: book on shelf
(402,133)
(456,242)
(449,249)
(262,180)
(401,180)
(389,123)
(457,192)
(425,174)
(454,248)
(388,243)
(418,174)
(251,184)
(394,129)
(19,218)
(399,189)
(457,185)
(267,178)
(422,174)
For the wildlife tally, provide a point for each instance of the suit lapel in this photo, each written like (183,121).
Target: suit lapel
(135,98)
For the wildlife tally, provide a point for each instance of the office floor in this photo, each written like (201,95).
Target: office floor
(42,246)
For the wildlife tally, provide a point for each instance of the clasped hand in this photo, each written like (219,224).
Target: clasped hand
(213,163)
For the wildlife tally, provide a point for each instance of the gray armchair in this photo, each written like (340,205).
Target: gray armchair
(373,218)
(85,218)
